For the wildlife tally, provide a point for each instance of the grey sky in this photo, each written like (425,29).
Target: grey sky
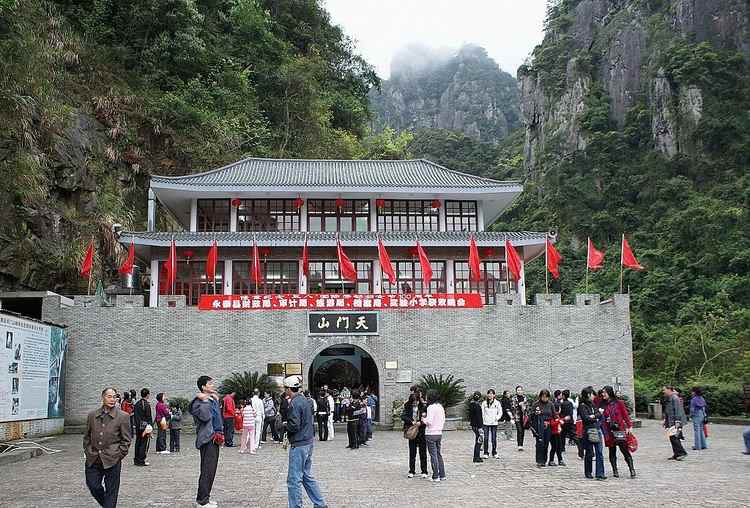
(507,29)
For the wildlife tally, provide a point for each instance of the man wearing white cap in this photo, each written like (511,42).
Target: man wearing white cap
(301,431)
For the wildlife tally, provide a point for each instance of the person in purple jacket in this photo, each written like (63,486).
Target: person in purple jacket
(162,411)
(698,412)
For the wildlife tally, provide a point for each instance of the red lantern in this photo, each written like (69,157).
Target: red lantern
(299,202)
(264,251)
(488,252)
(339,203)
(187,254)
(413,252)
(236,202)
(435,203)
(380,203)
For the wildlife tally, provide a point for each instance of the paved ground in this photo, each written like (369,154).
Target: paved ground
(376,476)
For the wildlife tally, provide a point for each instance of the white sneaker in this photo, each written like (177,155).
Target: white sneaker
(425,475)
(436,480)
(496,457)
(210,504)
(520,448)
(410,475)
(486,455)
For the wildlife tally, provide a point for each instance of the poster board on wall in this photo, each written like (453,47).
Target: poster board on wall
(32,382)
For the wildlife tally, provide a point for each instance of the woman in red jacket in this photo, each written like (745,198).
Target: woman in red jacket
(616,427)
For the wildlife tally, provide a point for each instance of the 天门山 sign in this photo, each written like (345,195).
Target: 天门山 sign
(340,302)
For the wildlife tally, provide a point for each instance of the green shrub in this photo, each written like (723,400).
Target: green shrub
(450,391)
(722,399)
(180,402)
(244,384)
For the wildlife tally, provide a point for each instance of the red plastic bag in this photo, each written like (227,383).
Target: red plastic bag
(632,442)
(579,429)
(705,429)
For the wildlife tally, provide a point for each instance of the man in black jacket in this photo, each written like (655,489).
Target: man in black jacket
(475,418)
(322,415)
(142,419)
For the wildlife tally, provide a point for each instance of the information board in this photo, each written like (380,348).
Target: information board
(31,369)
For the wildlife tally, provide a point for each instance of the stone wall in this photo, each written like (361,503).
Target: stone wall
(167,348)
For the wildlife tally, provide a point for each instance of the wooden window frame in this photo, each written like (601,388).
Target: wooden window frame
(414,280)
(202,224)
(464,215)
(289,210)
(338,212)
(408,215)
(334,286)
(243,285)
(488,287)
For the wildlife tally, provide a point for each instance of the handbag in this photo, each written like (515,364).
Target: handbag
(593,435)
(412,432)
(620,436)
(163,425)
(579,429)
(705,430)
(632,443)
(526,422)
(218,438)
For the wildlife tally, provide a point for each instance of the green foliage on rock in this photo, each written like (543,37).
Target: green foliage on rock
(451,391)
(243,384)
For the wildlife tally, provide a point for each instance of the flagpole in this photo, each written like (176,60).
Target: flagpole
(91,270)
(255,260)
(507,273)
(341,276)
(173,262)
(588,253)
(622,247)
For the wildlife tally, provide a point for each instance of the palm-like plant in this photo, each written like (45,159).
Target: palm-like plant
(243,384)
(451,391)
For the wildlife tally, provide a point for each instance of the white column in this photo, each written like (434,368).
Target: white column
(441,219)
(153,295)
(377,276)
(232,218)
(450,282)
(227,276)
(303,217)
(522,281)
(480,217)
(301,281)
(151,220)
(193,215)
(373,216)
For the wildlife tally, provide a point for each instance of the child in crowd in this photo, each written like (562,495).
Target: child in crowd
(175,426)
(248,429)
(556,424)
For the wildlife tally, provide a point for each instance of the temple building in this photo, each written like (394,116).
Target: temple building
(279,204)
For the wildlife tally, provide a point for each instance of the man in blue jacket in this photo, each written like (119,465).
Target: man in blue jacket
(209,430)
(300,429)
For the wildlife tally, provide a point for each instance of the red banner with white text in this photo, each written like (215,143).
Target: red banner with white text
(340,302)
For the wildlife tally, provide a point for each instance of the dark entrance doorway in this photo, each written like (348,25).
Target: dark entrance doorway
(345,365)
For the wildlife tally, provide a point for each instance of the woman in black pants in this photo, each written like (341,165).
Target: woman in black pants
(520,410)
(414,410)
(475,418)
(541,414)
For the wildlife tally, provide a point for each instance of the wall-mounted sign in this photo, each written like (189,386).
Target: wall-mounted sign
(404,376)
(342,323)
(391,365)
(275,369)
(293,369)
(340,302)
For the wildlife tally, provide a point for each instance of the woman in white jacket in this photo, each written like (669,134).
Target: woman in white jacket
(491,413)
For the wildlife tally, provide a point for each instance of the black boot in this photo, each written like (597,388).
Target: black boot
(614,470)
(631,467)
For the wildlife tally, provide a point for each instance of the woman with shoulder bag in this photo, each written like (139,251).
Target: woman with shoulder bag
(616,427)
(413,411)
(520,405)
(161,422)
(541,414)
(591,441)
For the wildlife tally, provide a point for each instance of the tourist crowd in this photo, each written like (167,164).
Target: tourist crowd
(588,422)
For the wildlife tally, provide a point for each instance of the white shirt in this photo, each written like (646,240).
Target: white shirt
(491,413)
(258,407)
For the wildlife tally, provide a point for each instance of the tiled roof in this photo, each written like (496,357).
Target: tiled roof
(317,239)
(254,172)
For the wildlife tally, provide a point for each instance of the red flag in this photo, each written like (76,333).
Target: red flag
(474,264)
(127,266)
(88,260)
(628,258)
(346,267)
(553,260)
(213,254)
(512,260)
(255,273)
(385,262)
(171,267)
(595,258)
(305,259)
(426,268)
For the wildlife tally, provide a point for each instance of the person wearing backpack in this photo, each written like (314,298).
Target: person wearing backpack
(491,412)
(323,411)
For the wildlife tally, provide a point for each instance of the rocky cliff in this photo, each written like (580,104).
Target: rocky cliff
(462,90)
(626,53)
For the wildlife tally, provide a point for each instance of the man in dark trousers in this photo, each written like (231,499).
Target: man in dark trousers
(477,424)
(301,431)
(674,419)
(105,444)
(209,430)
(143,429)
